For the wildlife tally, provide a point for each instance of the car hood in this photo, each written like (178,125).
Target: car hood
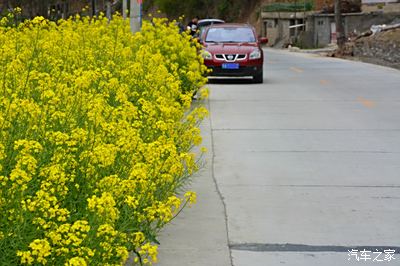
(230,48)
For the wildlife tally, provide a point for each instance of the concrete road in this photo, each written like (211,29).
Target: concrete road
(307,166)
(308,163)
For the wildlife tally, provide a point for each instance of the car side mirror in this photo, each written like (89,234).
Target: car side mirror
(263,40)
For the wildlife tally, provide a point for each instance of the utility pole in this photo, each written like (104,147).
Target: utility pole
(124,8)
(134,15)
(108,9)
(295,20)
(304,15)
(341,39)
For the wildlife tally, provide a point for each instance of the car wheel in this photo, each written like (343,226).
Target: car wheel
(258,78)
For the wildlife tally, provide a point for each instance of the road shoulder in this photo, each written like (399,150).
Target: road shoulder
(198,236)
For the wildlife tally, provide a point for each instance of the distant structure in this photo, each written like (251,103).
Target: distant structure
(311,23)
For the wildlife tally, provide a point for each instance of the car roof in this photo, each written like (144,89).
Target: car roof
(231,25)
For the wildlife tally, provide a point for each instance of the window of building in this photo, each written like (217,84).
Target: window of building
(299,22)
(292,31)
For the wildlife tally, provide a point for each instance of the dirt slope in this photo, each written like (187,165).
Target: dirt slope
(381,48)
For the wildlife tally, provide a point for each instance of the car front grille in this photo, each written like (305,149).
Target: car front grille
(231,57)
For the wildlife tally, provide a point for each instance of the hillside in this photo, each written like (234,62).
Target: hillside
(229,10)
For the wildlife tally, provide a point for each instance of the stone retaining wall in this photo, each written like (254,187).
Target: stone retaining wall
(384,46)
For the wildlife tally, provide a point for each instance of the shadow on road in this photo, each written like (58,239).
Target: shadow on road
(230,81)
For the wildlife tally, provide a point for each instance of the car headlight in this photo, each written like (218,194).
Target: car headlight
(256,54)
(206,55)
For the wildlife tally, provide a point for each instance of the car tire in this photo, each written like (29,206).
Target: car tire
(258,78)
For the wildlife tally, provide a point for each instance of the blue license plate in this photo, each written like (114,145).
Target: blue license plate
(230,66)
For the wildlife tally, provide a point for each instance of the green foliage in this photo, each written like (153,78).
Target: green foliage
(289,7)
(229,10)
(171,7)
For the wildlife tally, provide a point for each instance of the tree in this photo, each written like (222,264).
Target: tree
(32,7)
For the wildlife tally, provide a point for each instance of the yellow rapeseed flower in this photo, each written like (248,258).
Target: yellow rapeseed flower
(96,131)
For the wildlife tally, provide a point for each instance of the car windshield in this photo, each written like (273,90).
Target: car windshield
(230,34)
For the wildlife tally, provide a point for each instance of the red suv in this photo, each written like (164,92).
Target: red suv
(233,50)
